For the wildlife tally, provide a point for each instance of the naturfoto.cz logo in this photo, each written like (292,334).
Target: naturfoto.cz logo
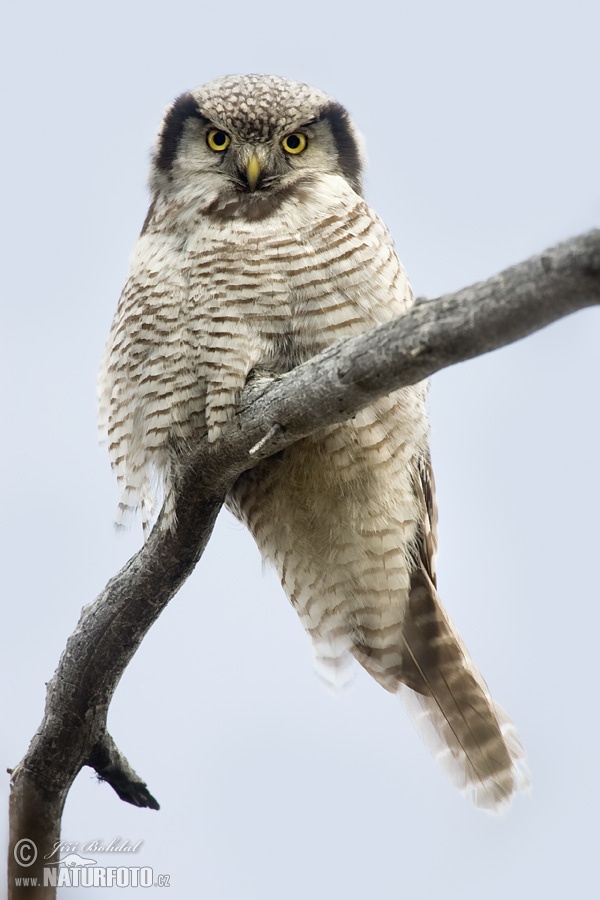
(71,869)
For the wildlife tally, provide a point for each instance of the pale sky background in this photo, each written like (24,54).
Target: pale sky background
(483,132)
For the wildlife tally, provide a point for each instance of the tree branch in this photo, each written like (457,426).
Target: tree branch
(112,767)
(273,414)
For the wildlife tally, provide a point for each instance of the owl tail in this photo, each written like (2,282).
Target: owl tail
(473,738)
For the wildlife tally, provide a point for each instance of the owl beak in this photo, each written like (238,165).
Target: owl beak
(253,170)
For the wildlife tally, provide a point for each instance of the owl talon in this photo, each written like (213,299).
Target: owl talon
(256,375)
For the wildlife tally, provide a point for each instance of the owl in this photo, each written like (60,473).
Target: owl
(258,251)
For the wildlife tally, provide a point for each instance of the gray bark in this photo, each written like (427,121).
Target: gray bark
(273,413)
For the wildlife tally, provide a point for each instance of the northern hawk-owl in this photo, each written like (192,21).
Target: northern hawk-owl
(258,251)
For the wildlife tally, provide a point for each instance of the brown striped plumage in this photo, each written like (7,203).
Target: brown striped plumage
(234,271)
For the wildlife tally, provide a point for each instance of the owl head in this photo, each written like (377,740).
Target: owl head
(240,144)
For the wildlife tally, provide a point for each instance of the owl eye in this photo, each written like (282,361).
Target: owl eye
(218,140)
(294,143)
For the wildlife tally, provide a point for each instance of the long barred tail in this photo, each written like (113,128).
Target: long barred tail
(472,738)
(485,761)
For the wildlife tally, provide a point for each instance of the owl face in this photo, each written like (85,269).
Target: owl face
(239,145)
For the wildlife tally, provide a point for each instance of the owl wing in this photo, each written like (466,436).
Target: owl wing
(424,485)
(446,696)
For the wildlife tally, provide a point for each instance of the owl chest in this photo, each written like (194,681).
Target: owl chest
(281,298)
(258,309)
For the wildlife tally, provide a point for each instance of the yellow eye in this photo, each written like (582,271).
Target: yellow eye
(218,140)
(294,143)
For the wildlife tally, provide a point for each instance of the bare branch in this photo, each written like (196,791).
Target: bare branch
(112,767)
(273,413)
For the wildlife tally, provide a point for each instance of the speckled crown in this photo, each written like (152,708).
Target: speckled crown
(259,105)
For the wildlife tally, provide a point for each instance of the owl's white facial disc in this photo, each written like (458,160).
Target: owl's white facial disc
(241,144)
